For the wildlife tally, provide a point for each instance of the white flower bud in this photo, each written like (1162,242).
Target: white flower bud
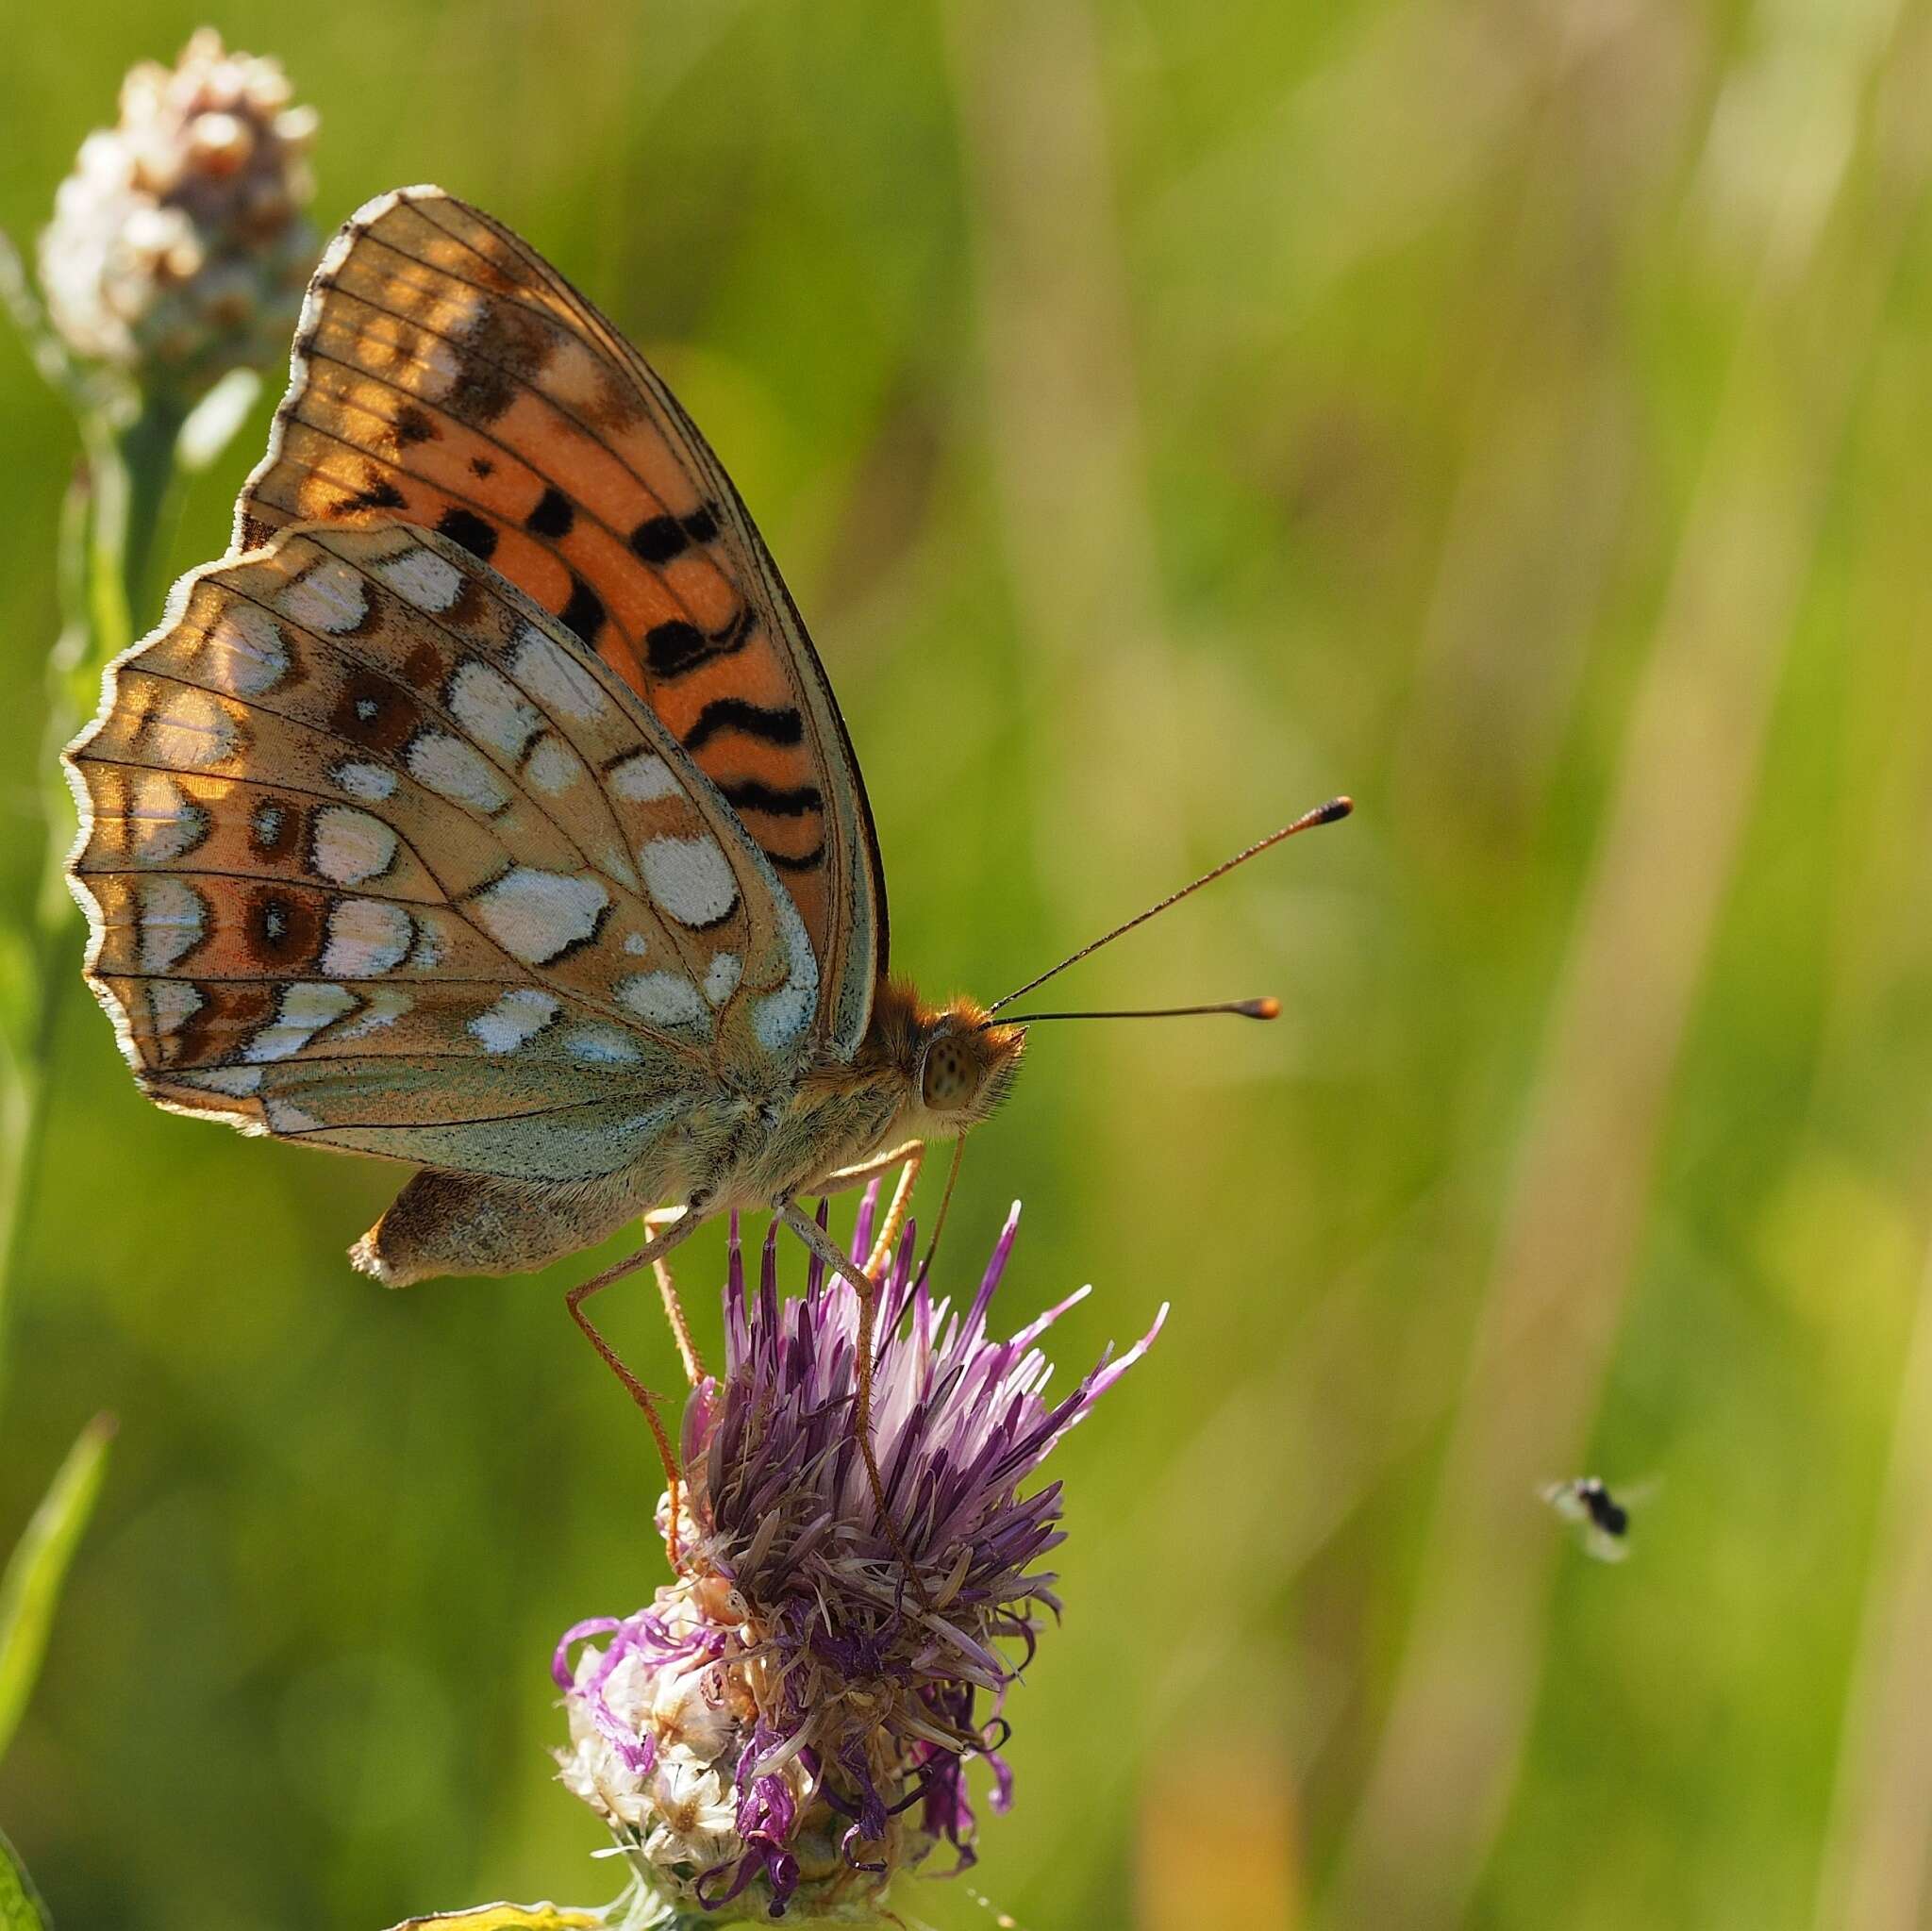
(177,249)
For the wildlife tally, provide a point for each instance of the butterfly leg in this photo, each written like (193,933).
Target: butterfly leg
(896,1213)
(911,1156)
(667,1293)
(678,1223)
(828,1250)
(687,1350)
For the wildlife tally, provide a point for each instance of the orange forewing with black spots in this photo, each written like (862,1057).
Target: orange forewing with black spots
(445,375)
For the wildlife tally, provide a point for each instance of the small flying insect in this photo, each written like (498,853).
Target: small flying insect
(1605,1521)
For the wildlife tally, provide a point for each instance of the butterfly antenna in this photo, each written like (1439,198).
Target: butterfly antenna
(1241,1008)
(1322,814)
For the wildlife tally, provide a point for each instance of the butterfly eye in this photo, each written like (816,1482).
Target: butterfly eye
(950,1078)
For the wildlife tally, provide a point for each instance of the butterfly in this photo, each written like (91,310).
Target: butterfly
(487,806)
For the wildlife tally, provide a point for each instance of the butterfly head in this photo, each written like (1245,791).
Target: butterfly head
(967,1063)
(955,1063)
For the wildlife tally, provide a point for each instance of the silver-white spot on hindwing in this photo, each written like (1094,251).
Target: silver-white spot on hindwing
(237,1082)
(663,999)
(691,878)
(548,671)
(491,709)
(162,822)
(600,1046)
(642,779)
(170,921)
(722,976)
(518,1017)
(554,767)
(373,782)
(423,578)
(349,847)
(367,936)
(302,1010)
(172,1002)
(535,916)
(780,1017)
(330,597)
(189,729)
(456,771)
(382,1006)
(243,652)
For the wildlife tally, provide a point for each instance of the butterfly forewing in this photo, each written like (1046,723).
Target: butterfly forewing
(375,855)
(446,377)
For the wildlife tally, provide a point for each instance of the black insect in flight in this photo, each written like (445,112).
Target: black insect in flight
(1605,1521)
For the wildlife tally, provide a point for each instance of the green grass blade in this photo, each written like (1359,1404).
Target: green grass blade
(32,1582)
(21,1909)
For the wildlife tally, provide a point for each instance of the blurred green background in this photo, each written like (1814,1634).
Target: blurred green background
(1166,414)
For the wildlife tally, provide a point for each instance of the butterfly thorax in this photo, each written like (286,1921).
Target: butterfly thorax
(922,1072)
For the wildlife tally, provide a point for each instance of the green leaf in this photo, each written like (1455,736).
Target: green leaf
(21,1909)
(538,1917)
(32,1582)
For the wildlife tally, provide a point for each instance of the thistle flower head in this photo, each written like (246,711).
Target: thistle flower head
(787,1725)
(178,249)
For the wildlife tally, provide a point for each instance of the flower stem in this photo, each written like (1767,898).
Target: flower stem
(146,452)
(108,525)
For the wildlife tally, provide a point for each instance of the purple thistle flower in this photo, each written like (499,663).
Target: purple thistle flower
(786,1726)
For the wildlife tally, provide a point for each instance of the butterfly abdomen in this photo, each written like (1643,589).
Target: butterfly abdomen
(728,1154)
(470,1223)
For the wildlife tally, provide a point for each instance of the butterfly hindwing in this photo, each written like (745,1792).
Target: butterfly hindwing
(374,856)
(445,376)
